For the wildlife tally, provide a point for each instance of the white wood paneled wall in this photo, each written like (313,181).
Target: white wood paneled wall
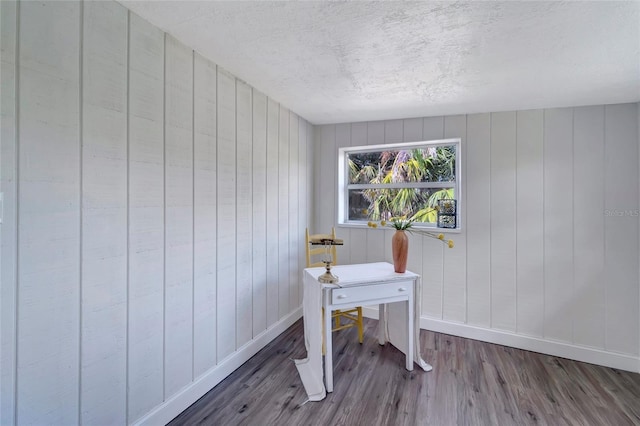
(8,233)
(548,257)
(272,216)
(226,180)
(154,214)
(146,218)
(103,315)
(49,338)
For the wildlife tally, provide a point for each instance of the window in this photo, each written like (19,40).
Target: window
(406,179)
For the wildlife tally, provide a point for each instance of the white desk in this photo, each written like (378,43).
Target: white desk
(363,284)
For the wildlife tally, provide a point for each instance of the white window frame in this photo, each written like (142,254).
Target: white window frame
(343,186)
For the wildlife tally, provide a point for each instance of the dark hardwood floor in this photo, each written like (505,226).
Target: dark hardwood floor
(472,383)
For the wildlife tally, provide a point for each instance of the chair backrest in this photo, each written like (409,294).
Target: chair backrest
(318,250)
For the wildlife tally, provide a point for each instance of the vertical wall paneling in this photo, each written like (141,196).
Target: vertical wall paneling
(558,223)
(303,199)
(319,182)
(375,239)
(139,265)
(104,214)
(375,132)
(621,228)
(432,128)
(179,215)
(529,203)
(244,302)
(283,213)
(503,221)
(204,215)
(49,200)
(412,132)
(272,216)
(454,305)
(146,217)
(8,230)
(226,190)
(412,129)
(259,209)
(478,223)
(393,133)
(295,238)
(358,237)
(311,167)
(588,227)
(324,205)
(432,250)
(545,267)
(343,139)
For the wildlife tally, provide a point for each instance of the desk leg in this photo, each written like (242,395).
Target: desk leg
(410,331)
(328,356)
(382,325)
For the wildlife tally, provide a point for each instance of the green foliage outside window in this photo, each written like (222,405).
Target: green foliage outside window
(404,166)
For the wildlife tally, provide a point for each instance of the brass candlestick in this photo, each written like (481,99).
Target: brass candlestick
(328,277)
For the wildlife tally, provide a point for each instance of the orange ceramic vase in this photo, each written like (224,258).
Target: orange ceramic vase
(400,249)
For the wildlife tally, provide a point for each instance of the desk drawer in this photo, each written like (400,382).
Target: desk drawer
(371,292)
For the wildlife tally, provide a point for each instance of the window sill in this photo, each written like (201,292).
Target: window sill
(362,225)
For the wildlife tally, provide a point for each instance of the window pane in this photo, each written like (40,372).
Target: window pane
(383,204)
(425,164)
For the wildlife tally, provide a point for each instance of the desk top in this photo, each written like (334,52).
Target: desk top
(364,273)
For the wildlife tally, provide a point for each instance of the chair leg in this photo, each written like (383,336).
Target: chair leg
(360,325)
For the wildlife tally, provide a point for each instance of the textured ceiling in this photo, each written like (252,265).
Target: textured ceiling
(336,62)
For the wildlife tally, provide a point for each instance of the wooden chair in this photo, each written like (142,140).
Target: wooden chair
(353,316)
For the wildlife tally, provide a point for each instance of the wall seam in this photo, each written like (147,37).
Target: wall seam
(443,269)
(266,203)
(17,212)
(515,281)
(442,289)
(287,198)
(253,331)
(422,239)
(193,215)
(127,207)
(80,200)
(251,214)
(604,224)
(604,221)
(164,214)
(235,160)
(289,191)
(217,220)
(335,178)
(573,223)
(544,276)
(463,185)
(278,207)
(490,239)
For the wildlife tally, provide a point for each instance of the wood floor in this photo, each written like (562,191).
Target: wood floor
(472,383)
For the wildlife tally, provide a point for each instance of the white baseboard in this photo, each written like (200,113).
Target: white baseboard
(529,343)
(169,409)
(370,312)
